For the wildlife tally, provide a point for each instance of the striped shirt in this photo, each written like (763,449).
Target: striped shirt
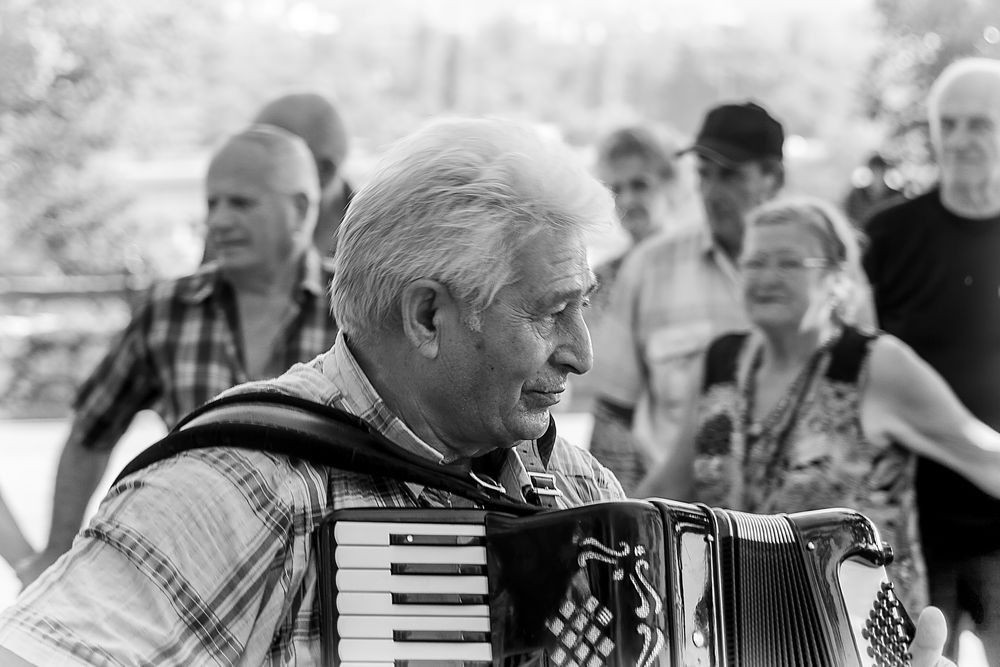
(182,348)
(207,558)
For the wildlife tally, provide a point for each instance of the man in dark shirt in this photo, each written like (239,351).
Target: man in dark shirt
(934,266)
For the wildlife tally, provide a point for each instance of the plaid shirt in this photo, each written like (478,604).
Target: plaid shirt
(181,349)
(207,559)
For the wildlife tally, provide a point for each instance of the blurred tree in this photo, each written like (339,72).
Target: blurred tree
(68,85)
(920,38)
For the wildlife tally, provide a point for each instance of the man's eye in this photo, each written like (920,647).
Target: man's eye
(789,264)
(980,125)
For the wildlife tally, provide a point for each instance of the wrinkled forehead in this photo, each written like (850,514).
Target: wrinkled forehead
(553,264)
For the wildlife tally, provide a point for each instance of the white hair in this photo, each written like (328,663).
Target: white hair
(456,202)
(957,70)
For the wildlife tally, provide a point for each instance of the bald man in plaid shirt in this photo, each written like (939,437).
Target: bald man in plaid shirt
(255,310)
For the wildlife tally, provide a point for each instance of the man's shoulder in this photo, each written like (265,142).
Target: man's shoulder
(686,241)
(191,287)
(902,212)
(666,252)
(589,477)
(303,380)
(234,480)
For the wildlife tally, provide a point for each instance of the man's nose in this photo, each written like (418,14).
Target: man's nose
(574,351)
(626,197)
(956,136)
(218,216)
(708,185)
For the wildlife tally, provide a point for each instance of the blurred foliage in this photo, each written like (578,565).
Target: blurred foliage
(919,38)
(87,86)
(70,73)
(151,79)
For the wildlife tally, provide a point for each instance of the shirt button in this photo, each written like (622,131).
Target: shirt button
(968,280)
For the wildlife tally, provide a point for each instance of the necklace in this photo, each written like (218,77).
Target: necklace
(772,431)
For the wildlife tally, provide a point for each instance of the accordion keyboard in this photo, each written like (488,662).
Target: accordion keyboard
(412,595)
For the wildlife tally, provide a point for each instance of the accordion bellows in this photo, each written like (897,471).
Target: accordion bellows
(644,583)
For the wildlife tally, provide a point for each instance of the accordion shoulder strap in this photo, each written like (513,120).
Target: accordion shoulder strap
(299,428)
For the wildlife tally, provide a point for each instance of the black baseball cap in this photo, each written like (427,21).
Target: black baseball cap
(736,133)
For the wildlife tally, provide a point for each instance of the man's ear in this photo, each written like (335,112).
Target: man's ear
(424,304)
(777,174)
(300,201)
(326,169)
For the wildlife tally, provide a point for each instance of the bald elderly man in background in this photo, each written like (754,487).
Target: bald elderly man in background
(315,120)
(259,306)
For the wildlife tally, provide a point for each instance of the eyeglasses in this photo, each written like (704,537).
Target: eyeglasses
(783,266)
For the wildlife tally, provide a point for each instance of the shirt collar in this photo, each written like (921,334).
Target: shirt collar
(207,280)
(341,367)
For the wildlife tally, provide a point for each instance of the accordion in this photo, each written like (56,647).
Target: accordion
(645,583)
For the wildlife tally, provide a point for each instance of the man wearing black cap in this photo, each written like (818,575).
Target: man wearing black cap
(675,292)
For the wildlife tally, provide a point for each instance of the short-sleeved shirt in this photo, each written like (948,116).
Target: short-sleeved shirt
(183,347)
(207,559)
(673,294)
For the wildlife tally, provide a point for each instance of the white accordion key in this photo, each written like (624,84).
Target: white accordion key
(370,557)
(386,649)
(381,604)
(379,533)
(382,580)
(383,627)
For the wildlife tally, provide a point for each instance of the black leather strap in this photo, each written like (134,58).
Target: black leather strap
(299,428)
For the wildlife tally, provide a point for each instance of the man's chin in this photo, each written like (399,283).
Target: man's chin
(534,424)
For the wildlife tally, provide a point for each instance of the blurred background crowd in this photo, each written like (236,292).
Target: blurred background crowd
(108,115)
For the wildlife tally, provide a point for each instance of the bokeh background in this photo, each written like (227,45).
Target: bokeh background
(109,111)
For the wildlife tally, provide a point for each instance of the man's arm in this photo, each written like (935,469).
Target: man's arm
(122,384)
(177,563)
(14,548)
(79,472)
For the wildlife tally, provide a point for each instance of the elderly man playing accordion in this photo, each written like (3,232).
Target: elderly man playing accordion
(460,286)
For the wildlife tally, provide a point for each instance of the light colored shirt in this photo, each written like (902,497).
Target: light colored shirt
(673,294)
(207,558)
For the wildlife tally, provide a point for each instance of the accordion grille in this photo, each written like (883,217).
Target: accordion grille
(769,607)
